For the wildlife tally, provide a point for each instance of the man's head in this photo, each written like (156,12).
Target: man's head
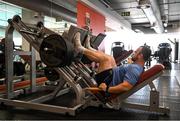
(143,53)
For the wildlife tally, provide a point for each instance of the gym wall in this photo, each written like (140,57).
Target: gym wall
(96,20)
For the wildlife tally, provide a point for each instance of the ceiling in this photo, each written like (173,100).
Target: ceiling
(165,11)
(169,13)
(127,12)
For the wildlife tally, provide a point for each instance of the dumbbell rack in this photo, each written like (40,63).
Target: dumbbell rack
(34,35)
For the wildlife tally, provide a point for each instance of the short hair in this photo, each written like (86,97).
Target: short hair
(146,51)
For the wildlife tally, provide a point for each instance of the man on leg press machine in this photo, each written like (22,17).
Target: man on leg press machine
(112,78)
(120,82)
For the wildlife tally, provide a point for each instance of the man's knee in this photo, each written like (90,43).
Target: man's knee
(107,58)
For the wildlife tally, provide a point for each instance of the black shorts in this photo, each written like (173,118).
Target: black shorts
(104,77)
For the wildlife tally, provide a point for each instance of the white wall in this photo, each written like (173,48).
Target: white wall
(134,40)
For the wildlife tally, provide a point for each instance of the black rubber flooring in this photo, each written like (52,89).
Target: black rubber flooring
(169,96)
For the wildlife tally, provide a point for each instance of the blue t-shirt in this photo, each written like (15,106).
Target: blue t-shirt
(126,72)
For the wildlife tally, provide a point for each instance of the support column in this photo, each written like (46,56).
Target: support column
(30,17)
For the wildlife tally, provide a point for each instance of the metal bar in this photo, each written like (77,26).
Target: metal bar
(70,71)
(85,67)
(22,53)
(60,86)
(49,96)
(154,99)
(146,108)
(33,70)
(74,75)
(9,61)
(68,75)
(77,88)
(152,86)
(29,38)
(29,32)
(43,107)
(79,77)
(86,76)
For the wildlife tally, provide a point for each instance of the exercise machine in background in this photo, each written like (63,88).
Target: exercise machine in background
(119,53)
(18,64)
(163,54)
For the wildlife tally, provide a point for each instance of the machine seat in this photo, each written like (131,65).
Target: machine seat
(145,79)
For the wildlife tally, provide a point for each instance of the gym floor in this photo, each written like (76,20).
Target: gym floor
(168,84)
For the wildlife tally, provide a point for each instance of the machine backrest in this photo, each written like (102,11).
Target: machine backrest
(117,48)
(146,77)
(150,72)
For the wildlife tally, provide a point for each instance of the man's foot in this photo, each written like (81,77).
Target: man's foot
(87,44)
(77,43)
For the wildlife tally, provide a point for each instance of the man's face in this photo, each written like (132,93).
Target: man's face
(136,53)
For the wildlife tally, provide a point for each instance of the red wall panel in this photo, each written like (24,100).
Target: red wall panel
(97,21)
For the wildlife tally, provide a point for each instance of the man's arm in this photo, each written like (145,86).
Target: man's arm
(122,87)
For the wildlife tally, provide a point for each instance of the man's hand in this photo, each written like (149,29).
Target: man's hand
(103,86)
(93,90)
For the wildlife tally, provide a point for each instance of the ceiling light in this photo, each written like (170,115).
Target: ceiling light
(165,24)
(137,30)
(151,15)
(165,31)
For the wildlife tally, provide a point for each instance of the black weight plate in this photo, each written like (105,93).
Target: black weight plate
(51,74)
(58,54)
(70,52)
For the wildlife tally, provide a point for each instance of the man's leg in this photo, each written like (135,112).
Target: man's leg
(105,61)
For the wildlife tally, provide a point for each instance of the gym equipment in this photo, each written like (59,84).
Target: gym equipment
(119,53)
(124,55)
(96,40)
(19,68)
(163,54)
(148,62)
(74,77)
(117,48)
(147,77)
(55,51)
(51,74)
(23,84)
(2,58)
(176,49)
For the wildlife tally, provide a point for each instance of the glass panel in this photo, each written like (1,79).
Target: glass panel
(2,33)
(7,12)
(56,25)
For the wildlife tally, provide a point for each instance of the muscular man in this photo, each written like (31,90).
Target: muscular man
(110,77)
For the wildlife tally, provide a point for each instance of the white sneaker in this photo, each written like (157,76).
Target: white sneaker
(77,43)
(87,44)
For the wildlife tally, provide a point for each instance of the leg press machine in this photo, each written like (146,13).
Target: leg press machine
(57,52)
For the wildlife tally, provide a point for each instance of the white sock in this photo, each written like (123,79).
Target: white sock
(88,45)
(77,43)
